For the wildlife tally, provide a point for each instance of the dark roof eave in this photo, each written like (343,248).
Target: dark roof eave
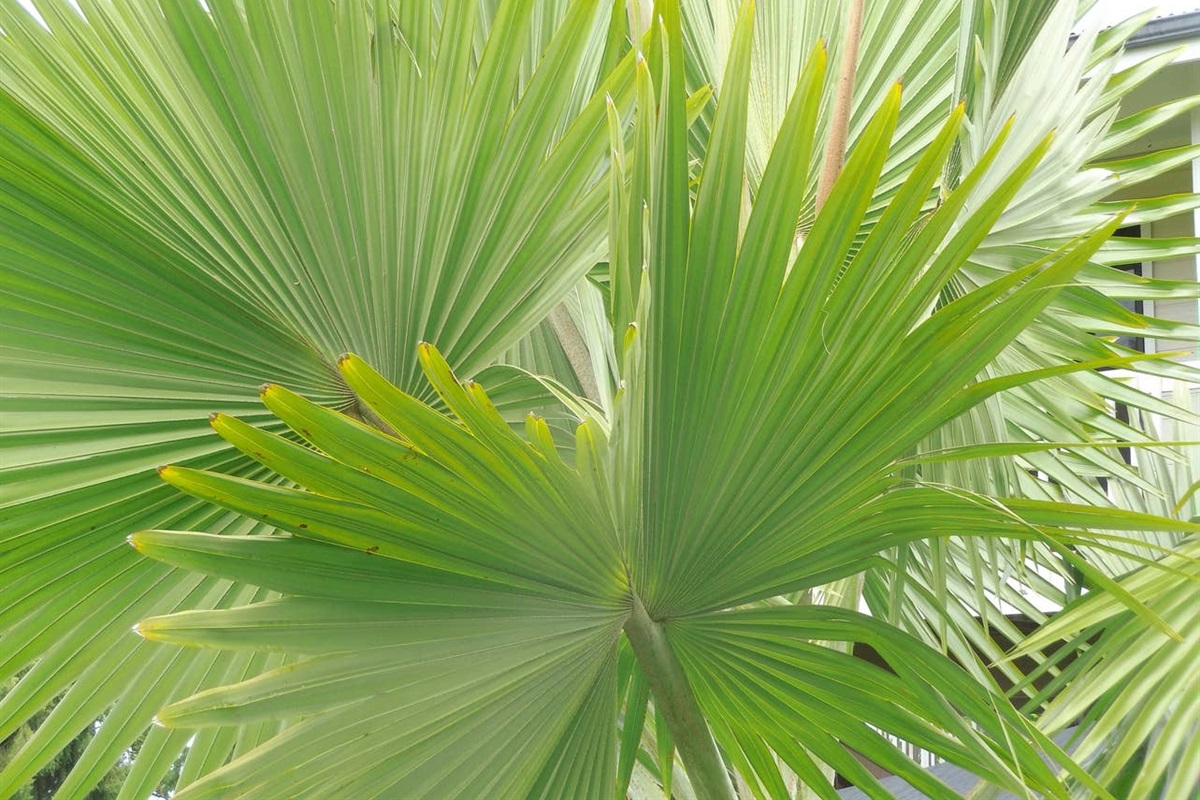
(1167,29)
(1163,30)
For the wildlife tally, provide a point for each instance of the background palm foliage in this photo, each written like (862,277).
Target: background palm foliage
(755,405)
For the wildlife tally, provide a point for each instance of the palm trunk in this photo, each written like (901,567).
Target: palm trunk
(674,698)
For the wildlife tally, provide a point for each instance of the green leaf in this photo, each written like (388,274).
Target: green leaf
(1142,698)
(200,198)
(783,407)
(755,669)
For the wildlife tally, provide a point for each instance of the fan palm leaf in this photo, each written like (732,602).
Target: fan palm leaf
(199,199)
(405,588)
(665,523)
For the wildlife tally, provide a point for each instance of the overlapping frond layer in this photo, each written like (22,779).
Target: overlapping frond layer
(1065,194)
(430,686)
(824,369)
(458,588)
(70,598)
(386,209)
(200,197)
(768,688)
(952,594)
(1061,428)
(787,33)
(1141,709)
(1052,461)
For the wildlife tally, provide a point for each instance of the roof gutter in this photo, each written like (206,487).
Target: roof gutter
(1167,29)
(1163,30)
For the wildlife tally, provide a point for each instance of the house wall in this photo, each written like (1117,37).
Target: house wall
(1176,269)
(1184,268)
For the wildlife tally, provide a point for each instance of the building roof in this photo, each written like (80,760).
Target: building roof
(1173,20)
(1167,29)
(958,779)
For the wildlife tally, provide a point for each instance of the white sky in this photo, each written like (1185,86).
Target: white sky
(1107,12)
(1110,12)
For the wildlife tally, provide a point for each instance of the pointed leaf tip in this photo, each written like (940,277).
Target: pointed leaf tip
(429,354)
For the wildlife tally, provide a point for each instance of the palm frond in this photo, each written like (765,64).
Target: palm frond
(200,198)
(433,611)
(1140,708)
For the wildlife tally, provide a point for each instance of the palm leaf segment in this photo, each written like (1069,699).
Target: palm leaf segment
(434,539)
(196,201)
(1137,713)
(448,619)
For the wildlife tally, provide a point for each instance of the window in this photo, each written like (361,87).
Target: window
(1133,342)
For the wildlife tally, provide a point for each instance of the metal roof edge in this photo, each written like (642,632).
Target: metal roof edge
(1166,29)
(1162,30)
